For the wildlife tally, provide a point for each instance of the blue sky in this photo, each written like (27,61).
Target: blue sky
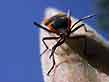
(19,40)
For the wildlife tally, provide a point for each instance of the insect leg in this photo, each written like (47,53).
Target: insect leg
(52,65)
(47,38)
(82,25)
(84,18)
(77,28)
(40,26)
(61,41)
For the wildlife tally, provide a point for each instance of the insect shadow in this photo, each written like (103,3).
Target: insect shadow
(96,53)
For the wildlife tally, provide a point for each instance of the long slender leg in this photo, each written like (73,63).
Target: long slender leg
(52,65)
(40,26)
(82,25)
(77,28)
(47,38)
(84,18)
(61,41)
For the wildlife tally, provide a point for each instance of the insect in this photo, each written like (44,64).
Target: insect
(60,24)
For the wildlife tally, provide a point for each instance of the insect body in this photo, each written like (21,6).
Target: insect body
(60,24)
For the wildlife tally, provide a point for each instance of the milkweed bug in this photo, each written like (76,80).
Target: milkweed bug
(60,24)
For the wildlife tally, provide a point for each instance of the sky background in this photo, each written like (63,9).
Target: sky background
(19,40)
